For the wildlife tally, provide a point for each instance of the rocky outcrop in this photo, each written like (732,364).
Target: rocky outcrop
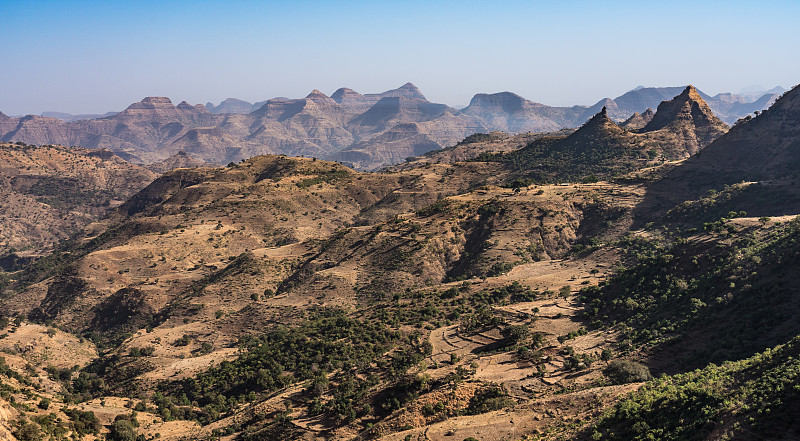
(638,120)
(688,117)
(600,148)
(760,148)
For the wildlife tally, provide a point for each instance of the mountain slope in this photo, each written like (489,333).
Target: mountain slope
(48,193)
(689,117)
(601,149)
(717,402)
(294,298)
(763,149)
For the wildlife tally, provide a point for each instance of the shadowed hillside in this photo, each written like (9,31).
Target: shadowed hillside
(761,149)
(513,295)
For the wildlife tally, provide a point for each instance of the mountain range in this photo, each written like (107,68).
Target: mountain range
(627,279)
(364,131)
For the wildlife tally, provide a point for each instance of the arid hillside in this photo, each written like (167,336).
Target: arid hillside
(517,295)
(48,193)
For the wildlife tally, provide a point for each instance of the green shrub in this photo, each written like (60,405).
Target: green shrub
(626,371)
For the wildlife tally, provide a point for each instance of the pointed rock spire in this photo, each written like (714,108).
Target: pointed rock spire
(688,106)
(599,123)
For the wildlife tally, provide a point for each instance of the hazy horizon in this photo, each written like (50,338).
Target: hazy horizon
(748,89)
(91,57)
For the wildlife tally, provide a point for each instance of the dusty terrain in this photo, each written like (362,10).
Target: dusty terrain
(185,305)
(48,193)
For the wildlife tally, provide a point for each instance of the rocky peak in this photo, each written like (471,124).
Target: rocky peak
(598,125)
(408,90)
(689,118)
(600,118)
(411,91)
(691,95)
(344,94)
(687,108)
(188,107)
(316,95)
(152,102)
(691,92)
(184,106)
(638,120)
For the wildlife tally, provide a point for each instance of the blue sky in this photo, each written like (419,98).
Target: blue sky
(98,56)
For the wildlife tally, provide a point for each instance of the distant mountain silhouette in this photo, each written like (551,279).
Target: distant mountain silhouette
(346,126)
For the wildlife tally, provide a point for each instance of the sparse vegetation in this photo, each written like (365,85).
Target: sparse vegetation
(303,299)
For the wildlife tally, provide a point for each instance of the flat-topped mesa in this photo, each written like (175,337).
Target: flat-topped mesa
(502,101)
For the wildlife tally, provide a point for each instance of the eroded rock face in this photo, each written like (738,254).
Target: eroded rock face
(344,126)
(690,117)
